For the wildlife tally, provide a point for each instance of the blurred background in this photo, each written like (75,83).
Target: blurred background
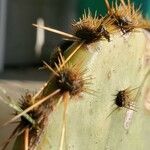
(22,46)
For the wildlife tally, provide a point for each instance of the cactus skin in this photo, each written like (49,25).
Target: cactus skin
(117,65)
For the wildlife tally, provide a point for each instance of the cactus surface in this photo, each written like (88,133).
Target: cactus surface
(115,66)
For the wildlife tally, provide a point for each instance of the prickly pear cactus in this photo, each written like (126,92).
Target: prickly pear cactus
(98,96)
(115,68)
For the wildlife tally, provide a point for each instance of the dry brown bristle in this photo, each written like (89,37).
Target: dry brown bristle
(64,62)
(71,81)
(39,113)
(25,102)
(50,68)
(92,28)
(62,47)
(26,139)
(65,98)
(69,78)
(36,104)
(124,98)
(126,16)
(64,34)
